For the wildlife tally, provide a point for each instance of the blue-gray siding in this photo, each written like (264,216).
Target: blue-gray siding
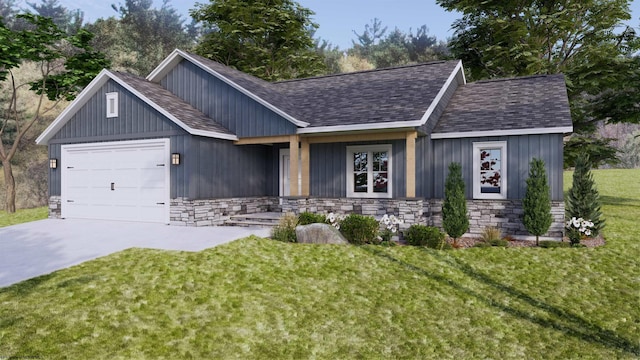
(211,168)
(520,151)
(229,107)
(136,120)
(328,168)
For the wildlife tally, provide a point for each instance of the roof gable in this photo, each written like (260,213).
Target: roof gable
(159,99)
(257,89)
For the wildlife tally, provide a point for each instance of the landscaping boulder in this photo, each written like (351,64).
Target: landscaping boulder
(319,234)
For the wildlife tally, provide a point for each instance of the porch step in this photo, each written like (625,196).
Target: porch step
(268,219)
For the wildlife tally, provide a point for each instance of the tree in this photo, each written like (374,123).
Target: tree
(269,39)
(454,209)
(396,48)
(8,12)
(583,199)
(537,200)
(66,63)
(66,20)
(578,38)
(148,34)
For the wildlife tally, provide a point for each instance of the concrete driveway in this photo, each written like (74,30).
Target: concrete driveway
(40,247)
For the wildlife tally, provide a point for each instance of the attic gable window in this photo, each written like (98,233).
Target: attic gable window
(112,104)
(369,171)
(490,170)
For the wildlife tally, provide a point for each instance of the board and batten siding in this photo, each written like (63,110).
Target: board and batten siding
(210,167)
(328,168)
(214,168)
(229,107)
(520,150)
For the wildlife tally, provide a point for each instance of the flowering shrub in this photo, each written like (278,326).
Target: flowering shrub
(334,220)
(359,229)
(577,228)
(390,224)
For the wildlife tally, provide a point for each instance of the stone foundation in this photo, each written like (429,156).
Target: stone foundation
(185,212)
(411,211)
(502,214)
(55,208)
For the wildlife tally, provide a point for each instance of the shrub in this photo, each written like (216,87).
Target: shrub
(537,200)
(490,233)
(307,218)
(454,209)
(499,242)
(359,229)
(421,235)
(583,200)
(286,229)
(553,244)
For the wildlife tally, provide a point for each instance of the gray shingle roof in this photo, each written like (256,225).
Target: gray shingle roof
(507,104)
(177,107)
(376,96)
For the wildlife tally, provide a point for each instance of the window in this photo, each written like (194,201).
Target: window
(112,104)
(369,171)
(490,170)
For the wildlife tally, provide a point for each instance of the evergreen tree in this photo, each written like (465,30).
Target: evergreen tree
(537,201)
(583,199)
(454,210)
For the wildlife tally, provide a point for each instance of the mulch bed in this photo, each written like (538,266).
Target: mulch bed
(467,242)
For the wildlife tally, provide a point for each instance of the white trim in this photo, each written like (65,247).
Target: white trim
(454,74)
(349,175)
(532,131)
(170,62)
(477,146)
(91,89)
(166,143)
(112,112)
(396,125)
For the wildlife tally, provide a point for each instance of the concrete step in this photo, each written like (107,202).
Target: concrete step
(269,219)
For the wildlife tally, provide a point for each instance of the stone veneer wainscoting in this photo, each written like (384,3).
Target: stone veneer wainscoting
(503,214)
(185,212)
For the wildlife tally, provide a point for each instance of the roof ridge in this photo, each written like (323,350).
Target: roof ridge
(516,78)
(435,62)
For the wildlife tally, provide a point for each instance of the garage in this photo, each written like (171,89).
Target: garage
(120,180)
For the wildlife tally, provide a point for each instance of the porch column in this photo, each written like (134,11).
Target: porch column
(293,165)
(304,159)
(411,163)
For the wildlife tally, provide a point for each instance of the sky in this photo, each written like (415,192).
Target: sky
(338,19)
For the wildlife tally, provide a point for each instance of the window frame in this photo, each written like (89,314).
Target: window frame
(112,96)
(369,149)
(479,146)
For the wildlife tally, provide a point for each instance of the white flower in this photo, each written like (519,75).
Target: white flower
(331,217)
(587,232)
(394,230)
(385,219)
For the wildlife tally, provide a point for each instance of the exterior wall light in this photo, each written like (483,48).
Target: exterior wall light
(175,159)
(53,163)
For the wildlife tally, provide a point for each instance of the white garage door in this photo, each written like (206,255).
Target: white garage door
(123,180)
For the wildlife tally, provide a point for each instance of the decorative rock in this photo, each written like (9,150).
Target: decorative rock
(319,234)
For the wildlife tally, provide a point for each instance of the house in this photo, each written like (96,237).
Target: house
(196,142)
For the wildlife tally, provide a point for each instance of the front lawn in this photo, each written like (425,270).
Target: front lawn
(22,216)
(259,298)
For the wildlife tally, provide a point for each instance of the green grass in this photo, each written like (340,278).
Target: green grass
(23,216)
(263,299)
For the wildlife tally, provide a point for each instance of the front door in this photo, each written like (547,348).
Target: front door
(285,187)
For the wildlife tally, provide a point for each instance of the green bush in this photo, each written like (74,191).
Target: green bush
(553,244)
(307,218)
(359,229)
(499,242)
(286,229)
(421,235)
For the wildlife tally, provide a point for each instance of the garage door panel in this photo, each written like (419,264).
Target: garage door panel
(138,171)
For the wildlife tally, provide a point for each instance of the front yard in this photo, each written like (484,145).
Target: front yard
(258,298)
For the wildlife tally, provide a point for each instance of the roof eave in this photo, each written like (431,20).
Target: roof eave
(396,125)
(512,132)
